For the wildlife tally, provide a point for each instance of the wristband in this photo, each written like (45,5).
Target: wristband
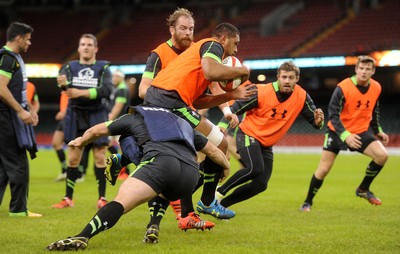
(226,111)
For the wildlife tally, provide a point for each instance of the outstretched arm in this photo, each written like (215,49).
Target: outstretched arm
(91,134)
(218,157)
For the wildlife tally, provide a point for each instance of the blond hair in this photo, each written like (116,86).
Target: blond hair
(171,20)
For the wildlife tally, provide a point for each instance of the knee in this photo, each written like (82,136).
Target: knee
(381,158)
(259,186)
(57,145)
(73,160)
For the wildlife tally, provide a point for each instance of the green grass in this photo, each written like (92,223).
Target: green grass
(340,222)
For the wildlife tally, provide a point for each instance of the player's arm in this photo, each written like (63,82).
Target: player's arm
(153,66)
(214,153)
(376,126)
(120,102)
(90,135)
(35,103)
(219,96)
(123,125)
(6,63)
(214,70)
(64,77)
(33,110)
(315,116)
(240,107)
(335,107)
(63,106)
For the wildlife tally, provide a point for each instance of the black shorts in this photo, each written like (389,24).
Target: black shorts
(171,100)
(243,140)
(168,175)
(334,144)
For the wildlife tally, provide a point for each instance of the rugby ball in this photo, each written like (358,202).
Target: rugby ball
(232,84)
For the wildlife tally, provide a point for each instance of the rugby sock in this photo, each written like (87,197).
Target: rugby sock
(72,175)
(212,174)
(101,180)
(157,208)
(61,158)
(105,218)
(315,184)
(372,171)
(186,205)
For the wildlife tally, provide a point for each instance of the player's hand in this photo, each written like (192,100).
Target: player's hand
(383,138)
(60,115)
(26,117)
(243,92)
(62,81)
(233,120)
(318,117)
(35,118)
(354,141)
(246,75)
(76,142)
(225,174)
(74,93)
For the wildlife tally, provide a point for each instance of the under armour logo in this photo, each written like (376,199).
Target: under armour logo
(275,112)
(194,113)
(359,104)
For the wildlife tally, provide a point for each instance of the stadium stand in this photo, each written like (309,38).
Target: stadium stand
(127,34)
(131,42)
(59,39)
(372,29)
(296,30)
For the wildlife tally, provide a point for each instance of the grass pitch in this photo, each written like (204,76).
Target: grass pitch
(339,221)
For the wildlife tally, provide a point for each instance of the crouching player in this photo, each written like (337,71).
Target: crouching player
(167,167)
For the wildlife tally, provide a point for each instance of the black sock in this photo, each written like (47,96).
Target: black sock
(101,181)
(105,218)
(212,174)
(157,208)
(72,175)
(186,205)
(61,158)
(315,184)
(372,171)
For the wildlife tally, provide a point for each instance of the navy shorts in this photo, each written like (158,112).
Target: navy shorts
(334,144)
(168,175)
